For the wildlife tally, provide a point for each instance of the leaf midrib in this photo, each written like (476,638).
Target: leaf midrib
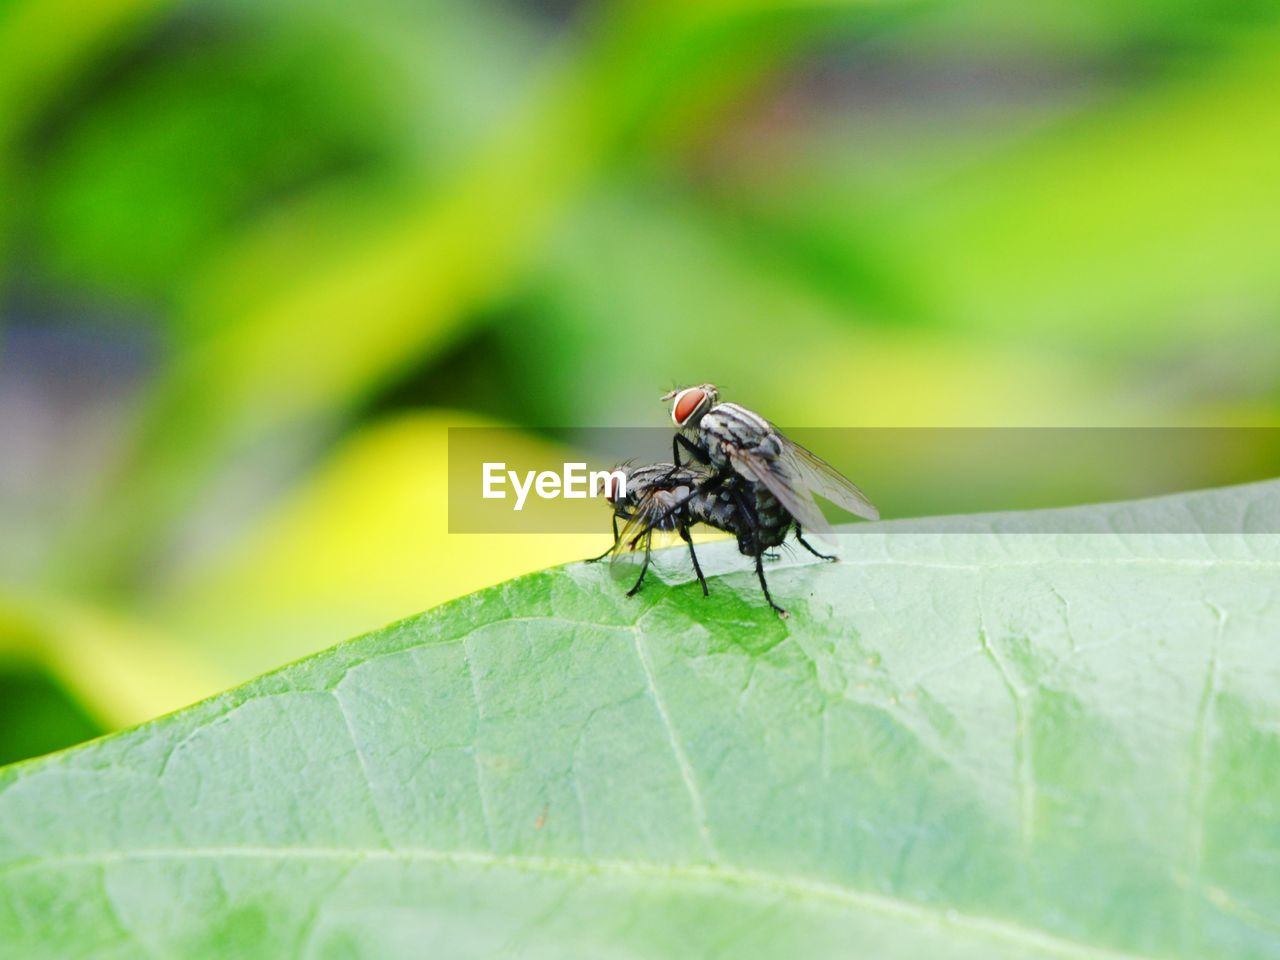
(727,877)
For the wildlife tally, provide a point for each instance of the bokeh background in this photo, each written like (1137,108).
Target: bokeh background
(257,258)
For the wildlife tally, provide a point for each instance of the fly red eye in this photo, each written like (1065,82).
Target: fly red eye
(686,403)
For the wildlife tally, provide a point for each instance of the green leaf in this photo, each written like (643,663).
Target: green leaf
(120,670)
(1014,743)
(366,531)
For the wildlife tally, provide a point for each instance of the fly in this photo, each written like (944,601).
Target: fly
(734,442)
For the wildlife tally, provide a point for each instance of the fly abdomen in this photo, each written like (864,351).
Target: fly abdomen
(772,519)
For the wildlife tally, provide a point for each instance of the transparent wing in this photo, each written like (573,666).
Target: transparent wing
(818,476)
(793,475)
(656,513)
(783,484)
(630,537)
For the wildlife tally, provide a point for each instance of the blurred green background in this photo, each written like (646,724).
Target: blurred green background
(257,257)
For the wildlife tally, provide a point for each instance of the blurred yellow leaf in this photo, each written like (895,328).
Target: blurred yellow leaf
(121,671)
(363,542)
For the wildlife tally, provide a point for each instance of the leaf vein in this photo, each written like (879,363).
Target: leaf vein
(682,760)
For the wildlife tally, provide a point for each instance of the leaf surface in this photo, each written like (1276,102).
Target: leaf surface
(1022,742)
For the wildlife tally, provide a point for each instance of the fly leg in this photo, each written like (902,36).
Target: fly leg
(750,519)
(680,440)
(684,535)
(765,587)
(747,508)
(712,483)
(616,538)
(644,567)
(753,522)
(805,543)
(717,480)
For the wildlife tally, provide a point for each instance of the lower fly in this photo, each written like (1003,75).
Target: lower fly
(669,498)
(656,497)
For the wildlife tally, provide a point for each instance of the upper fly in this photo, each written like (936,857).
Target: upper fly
(735,441)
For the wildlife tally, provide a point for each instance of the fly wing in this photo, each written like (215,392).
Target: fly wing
(783,483)
(651,515)
(629,539)
(818,476)
(632,533)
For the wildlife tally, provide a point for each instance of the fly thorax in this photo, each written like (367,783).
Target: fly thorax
(670,503)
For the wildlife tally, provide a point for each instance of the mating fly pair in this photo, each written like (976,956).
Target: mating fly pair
(748,480)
